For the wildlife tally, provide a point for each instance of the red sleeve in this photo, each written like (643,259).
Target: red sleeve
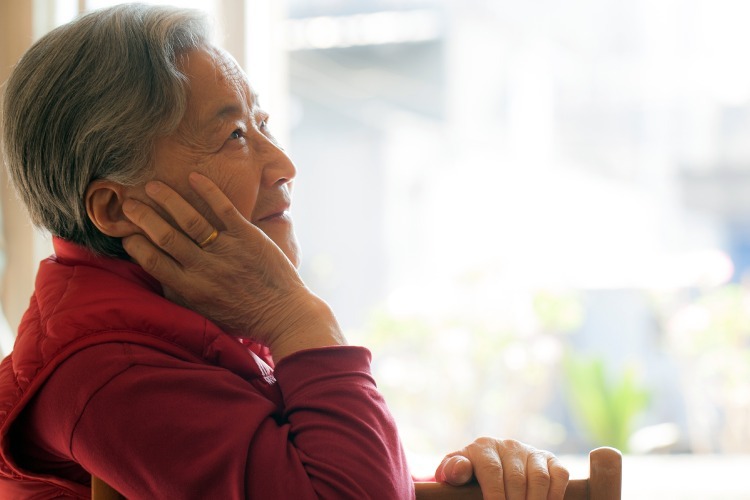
(156,427)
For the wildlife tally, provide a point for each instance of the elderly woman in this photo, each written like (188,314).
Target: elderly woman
(170,346)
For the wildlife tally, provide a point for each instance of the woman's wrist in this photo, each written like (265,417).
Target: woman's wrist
(311,324)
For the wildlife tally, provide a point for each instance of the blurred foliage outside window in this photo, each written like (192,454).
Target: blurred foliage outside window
(450,377)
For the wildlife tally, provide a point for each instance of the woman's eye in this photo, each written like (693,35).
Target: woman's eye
(264,125)
(237,134)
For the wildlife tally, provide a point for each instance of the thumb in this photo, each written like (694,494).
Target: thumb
(455,470)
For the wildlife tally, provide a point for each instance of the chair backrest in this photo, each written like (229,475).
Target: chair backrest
(102,491)
(604,483)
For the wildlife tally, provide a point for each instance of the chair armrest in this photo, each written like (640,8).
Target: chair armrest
(577,489)
(442,491)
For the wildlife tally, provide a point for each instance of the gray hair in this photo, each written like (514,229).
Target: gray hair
(87,102)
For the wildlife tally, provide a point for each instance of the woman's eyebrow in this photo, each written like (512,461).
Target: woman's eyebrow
(217,118)
(225,111)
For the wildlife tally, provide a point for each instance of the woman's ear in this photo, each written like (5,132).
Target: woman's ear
(104,207)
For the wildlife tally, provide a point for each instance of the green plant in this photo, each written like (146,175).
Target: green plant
(605,406)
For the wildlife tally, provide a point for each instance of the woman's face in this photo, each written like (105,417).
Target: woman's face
(224,135)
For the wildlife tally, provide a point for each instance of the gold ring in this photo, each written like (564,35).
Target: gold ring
(211,237)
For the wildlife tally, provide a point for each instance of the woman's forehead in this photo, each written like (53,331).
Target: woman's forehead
(217,87)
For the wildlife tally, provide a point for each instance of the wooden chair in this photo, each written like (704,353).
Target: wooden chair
(604,483)
(102,491)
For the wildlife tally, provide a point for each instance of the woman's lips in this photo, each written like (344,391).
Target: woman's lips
(273,210)
(280,216)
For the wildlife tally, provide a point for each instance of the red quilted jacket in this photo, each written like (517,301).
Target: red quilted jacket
(109,377)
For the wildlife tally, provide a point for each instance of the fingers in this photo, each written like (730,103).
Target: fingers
(217,200)
(530,473)
(154,262)
(538,476)
(559,476)
(514,476)
(166,237)
(489,469)
(187,217)
(506,469)
(455,470)
(198,230)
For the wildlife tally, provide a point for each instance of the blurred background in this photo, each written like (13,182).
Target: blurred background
(536,214)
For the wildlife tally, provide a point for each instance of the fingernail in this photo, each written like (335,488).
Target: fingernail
(456,472)
(153,187)
(448,468)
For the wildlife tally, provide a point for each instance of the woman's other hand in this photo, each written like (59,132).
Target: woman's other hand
(506,469)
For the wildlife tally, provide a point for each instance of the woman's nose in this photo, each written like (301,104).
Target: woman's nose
(278,168)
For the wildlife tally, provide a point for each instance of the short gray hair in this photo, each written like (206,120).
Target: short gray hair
(87,102)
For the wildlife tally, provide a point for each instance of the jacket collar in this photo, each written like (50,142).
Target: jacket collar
(71,254)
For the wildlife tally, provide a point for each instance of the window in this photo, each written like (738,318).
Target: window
(533,213)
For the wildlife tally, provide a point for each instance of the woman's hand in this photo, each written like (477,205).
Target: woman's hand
(240,279)
(506,469)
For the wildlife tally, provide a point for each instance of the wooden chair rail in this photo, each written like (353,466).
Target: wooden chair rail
(577,489)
